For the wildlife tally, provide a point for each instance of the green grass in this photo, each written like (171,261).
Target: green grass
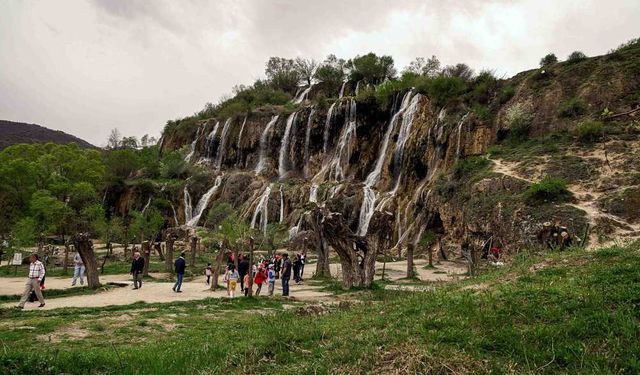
(56,293)
(578,313)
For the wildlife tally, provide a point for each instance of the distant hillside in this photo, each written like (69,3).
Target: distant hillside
(12,133)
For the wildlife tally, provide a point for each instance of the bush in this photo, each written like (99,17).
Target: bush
(576,56)
(518,118)
(470,166)
(483,88)
(507,93)
(549,59)
(481,111)
(443,89)
(547,190)
(590,131)
(572,107)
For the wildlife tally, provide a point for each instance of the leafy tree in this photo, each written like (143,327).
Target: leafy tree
(576,56)
(283,74)
(443,89)
(420,66)
(371,68)
(218,213)
(460,70)
(113,142)
(147,224)
(331,73)
(306,68)
(549,59)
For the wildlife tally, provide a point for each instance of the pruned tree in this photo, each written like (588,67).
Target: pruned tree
(306,69)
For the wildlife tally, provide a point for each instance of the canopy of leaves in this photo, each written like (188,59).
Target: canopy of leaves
(371,68)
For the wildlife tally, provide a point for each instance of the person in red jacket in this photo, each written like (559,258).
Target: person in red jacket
(259,279)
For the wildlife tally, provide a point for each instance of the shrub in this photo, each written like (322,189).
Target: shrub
(507,93)
(572,107)
(518,118)
(484,86)
(443,89)
(547,190)
(549,59)
(635,42)
(470,166)
(589,131)
(576,56)
(481,111)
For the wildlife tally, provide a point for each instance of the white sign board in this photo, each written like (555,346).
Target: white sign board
(17,259)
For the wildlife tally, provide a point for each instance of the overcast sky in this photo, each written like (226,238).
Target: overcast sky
(85,67)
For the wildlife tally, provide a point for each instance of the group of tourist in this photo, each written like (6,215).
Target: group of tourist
(265,271)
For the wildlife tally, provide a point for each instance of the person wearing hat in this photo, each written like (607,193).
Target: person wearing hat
(271,279)
(36,275)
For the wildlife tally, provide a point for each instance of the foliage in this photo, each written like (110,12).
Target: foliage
(428,239)
(590,131)
(371,68)
(630,44)
(331,73)
(483,87)
(469,166)
(444,89)
(306,68)
(576,56)
(147,224)
(518,118)
(420,66)
(218,213)
(460,70)
(572,107)
(173,165)
(549,59)
(282,74)
(481,111)
(506,93)
(547,190)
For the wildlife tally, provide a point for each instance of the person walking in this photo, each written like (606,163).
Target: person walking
(296,269)
(231,277)
(208,272)
(78,269)
(271,279)
(243,269)
(35,277)
(303,258)
(259,279)
(286,274)
(137,268)
(180,265)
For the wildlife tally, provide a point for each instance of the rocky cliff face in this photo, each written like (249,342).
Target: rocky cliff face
(427,165)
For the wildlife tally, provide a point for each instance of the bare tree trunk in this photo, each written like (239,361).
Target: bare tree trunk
(158,248)
(430,250)
(65,262)
(410,273)
(84,247)
(216,271)
(169,256)
(193,242)
(146,253)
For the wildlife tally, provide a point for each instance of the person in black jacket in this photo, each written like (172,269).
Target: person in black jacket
(180,266)
(243,269)
(286,274)
(137,268)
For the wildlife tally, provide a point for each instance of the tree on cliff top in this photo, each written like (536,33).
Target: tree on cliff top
(283,74)
(371,68)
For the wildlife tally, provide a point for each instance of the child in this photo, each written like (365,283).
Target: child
(259,279)
(231,278)
(207,272)
(245,282)
(271,279)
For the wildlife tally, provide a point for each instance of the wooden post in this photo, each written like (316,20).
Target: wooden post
(146,253)
(410,273)
(193,246)
(170,239)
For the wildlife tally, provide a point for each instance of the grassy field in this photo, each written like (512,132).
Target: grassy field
(571,312)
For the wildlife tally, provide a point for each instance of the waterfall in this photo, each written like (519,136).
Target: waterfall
(368,202)
(146,205)
(284,146)
(403,136)
(459,134)
(281,205)
(357,88)
(263,144)
(293,231)
(307,137)
(188,210)
(300,98)
(192,151)
(340,161)
(203,203)
(341,94)
(211,140)
(175,215)
(223,142)
(240,138)
(262,209)
(327,126)
(313,193)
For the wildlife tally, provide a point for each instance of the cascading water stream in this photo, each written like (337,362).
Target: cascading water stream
(262,209)
(263,144)
(284,146)
(192,151)
(211,140)
(300,98)
(313,193)
(403,136)
(338,165)
(146,205)
(369,199)
(223,143)
(307,137)
(327,127)
(281,205)
(460,134)
(188,209)
(244,122)
(204,202)
(341,94)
